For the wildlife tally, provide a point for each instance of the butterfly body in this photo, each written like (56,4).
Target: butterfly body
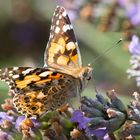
(39,90)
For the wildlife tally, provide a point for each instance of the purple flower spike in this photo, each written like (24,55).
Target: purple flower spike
(106,137)
(36,123)
(3,135)
(134,46)
(4,116)
(79,118)
(21,118)
(99,133)
(134,13)
(132,10)
(122,2)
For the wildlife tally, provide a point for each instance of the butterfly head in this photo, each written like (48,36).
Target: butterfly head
(85,75)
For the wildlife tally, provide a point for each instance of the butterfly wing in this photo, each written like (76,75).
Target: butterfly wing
(38,90)
(62,50)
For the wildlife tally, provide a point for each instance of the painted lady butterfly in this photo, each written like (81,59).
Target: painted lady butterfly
(38,90)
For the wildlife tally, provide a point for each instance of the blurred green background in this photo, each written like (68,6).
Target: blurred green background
(24,32)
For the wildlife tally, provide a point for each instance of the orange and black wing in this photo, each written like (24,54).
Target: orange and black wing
(37,90)
(62,50)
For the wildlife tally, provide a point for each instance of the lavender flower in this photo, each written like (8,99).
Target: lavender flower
(134,49)
(79,118)
(134,46)
(72,7)
(131,128)
(5,120)
(5,136)
(99,133)
(122,2)
(21,118)
(134,108)
(100,116)
(134,14)
(132,10)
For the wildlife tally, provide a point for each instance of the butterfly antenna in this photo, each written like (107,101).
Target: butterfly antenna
(106,51)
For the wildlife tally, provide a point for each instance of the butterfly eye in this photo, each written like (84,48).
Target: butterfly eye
(88,78)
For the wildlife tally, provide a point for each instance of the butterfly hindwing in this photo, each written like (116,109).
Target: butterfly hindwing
(62,49)
(38,90)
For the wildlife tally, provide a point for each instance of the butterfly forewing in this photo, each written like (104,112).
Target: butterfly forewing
(62,49)
(9,75)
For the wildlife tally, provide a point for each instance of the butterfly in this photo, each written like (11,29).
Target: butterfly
(39,90)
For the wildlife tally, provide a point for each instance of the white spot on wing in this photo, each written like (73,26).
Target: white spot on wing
(7,79)
(4,74)
(64,13)
(44,74)
(57,22)
(27,71)
(10,74)
(70,46)
(57,15)
(57,30)
(8,82)
(66,27)
(60,16)
(15,76)
(15,68)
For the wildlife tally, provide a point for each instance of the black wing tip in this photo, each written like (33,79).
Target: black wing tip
(60,9)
